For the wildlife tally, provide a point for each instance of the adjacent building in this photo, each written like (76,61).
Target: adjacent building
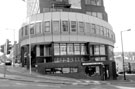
(69,38)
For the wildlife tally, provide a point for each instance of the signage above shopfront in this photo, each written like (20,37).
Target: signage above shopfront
(93,63)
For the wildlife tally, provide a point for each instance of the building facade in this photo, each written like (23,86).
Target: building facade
(68,38)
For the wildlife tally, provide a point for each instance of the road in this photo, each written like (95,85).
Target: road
(15,84)
(10,84)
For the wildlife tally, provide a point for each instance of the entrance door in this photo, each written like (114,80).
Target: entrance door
(93,70)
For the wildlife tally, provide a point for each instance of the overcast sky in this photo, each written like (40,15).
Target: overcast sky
(121,16)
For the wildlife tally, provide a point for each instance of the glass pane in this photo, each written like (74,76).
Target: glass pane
(111,54)
(63,49)
(31,29)
(74,70)
(38,27)
(99,15)
(76,49)
(93,30)
(56,49)
(65,26)
(99,2)
(88,27)
(70,49)
(73,26)
(94,14)
(56,26)
(83,49)
(66,70)
(102,50)
(26,30)
(96,50)
(81,26)
(97,29)
(47,26)
(93,2)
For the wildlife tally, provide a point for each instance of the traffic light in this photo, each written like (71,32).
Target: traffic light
(9,46)
(2,48)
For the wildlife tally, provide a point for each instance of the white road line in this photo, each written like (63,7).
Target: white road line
(121,87)
(21,84)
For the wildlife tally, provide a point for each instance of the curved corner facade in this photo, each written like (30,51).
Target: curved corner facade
(67,41)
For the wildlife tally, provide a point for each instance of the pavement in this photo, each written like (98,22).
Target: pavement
(22,74)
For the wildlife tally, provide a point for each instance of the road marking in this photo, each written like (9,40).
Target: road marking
(121,87)
(21,84)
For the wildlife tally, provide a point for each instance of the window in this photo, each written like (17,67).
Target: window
(47,26)
(66,70)
(31,29)
(91,50)
(99,15)
(93,2)
(73,70)
(88,27)
(102,50)
(83,49)
(56,49)
(93,30)
(55,26)
(89,13)
(96,50)
(70,49)
(99,2)
(105,32)
(87,1)
(38,27)
(94,14)
(101,30)
(41,50)
(73,26)
(97,29)
(22,31)
(111,54)
(81,26)
(26,30)
(65,26)
(63,49)
(76,49)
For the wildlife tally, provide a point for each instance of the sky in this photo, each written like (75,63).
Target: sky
(121,16)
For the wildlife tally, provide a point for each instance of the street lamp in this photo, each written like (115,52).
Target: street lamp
(123,53)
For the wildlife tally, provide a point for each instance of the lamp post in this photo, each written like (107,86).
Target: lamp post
(123,53)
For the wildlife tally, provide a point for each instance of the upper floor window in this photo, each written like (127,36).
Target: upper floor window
(38,27)
(93,30)
(73,26)
(26,30)
(94,2)
(32,29)
(65,26)
(55,26)
(81,27)
(46,26)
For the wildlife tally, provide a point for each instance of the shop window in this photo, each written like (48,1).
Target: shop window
(103,58)
(97,59)
(102,49)
(38,27)
(26,30)
(77,49)
(32,29)
(41,50)
(66,70)
(63,49)
(70,49)
(73,26)
(73,70)
(58,70)
(83,49)
(96,50)
(65,26)
(56,26)
(91,50)
(56,49)
(81,27)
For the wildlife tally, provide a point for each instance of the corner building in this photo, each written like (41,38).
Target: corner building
(70,38)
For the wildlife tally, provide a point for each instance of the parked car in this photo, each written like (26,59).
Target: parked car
(8,63)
